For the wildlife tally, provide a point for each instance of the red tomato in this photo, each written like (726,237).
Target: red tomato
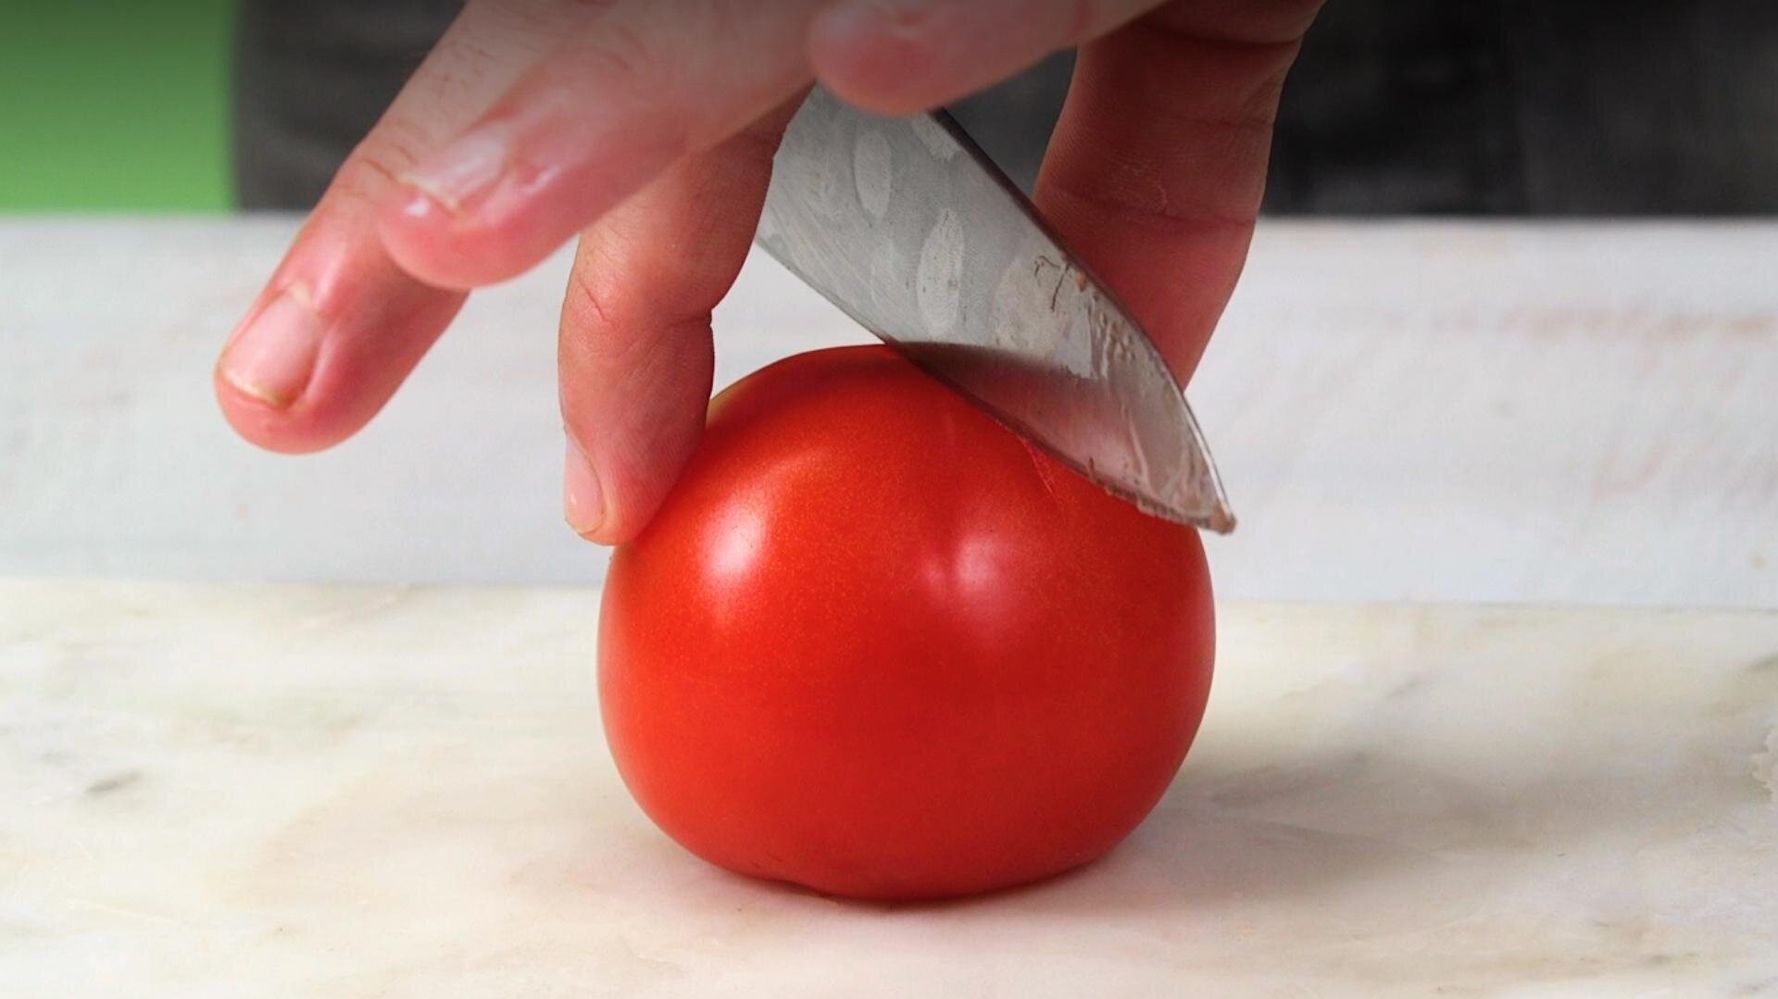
(877,645)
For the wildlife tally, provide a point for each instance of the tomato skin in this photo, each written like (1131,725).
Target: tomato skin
(877,645)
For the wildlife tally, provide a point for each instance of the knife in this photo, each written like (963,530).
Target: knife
(909,228)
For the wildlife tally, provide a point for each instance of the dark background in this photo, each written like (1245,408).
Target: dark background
(1462,107)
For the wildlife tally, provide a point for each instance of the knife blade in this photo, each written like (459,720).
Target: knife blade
(909,228)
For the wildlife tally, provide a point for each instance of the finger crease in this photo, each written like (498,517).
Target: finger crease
(1163,217)
(592,299)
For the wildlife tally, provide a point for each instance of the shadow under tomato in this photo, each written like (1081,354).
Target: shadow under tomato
(1371,837)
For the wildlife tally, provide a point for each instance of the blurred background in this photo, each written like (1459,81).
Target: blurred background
(114,105)
(1470,107)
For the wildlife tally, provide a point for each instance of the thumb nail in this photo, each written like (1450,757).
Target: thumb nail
(583,501)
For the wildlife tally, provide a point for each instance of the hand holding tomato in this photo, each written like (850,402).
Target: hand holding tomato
(875,644)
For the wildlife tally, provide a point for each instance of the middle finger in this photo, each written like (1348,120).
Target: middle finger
(639,87)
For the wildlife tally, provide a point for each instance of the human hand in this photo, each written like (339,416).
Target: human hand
(648,128)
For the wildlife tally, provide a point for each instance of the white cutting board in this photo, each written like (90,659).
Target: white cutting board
(237,791)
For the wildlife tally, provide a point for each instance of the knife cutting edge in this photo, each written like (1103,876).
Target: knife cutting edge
(909,228)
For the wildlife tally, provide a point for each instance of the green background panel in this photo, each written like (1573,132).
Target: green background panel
(114,105)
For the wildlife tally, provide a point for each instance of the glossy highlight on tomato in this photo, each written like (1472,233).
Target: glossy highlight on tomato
(877,645)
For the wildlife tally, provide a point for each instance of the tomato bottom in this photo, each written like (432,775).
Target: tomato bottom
(876,645)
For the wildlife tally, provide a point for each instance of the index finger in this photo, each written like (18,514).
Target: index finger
(338,325)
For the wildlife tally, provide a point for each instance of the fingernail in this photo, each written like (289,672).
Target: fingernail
(583,501)
(273,356)
(464,170)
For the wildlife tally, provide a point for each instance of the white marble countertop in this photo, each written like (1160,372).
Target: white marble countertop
(1452,411)
(247,791)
